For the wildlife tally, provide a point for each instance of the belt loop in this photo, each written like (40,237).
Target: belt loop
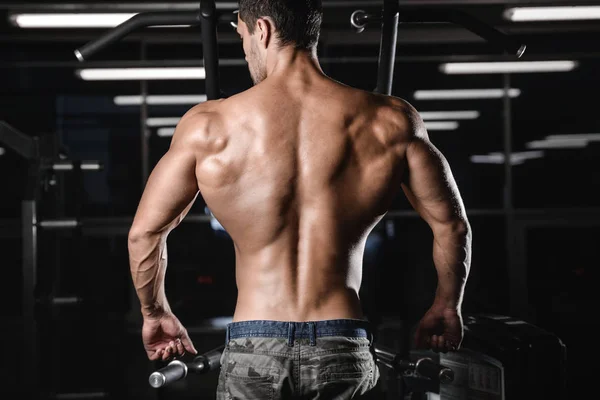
(227,335)
(291,334)
(312,333)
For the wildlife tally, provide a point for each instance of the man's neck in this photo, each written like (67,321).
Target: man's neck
(288,60)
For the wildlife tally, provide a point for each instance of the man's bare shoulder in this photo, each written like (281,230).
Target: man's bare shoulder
(199,123)
(397,122)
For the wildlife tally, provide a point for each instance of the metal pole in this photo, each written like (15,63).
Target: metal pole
(387,50)
(29,359)
(145,133)
(208,23)
(516,273)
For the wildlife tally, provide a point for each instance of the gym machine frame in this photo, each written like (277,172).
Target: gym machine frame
(44,162)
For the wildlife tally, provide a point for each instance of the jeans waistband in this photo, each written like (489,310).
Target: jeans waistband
(299,330)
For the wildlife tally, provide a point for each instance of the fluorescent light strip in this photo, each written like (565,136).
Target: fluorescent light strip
(464,94)
(155,122)
(70,20)
(566,13)
(165,132)
(498,158)
(508,67)
(160,100)
(446,115)
(112,74)
(590,137)
(441,126)
(557,144)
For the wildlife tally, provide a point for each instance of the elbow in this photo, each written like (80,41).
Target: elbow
(138,234)
(459,229)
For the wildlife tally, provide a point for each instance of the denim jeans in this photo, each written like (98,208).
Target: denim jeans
(267,360)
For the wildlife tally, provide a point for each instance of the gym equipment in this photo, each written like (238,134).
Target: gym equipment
(424,369)
(506,358)
(45,163)
(206,17)
(392,13)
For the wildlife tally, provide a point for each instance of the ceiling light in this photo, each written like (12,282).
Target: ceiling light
(160,100)
(590,137)
(498,158)
(70,20)
(557,144)
(119,74)
(166,132)
(441,126)
(445,115)
(463,94)
(508,67)
(154,122)
(519,14)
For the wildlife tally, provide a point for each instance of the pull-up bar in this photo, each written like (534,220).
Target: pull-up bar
(206,17)
(393,13)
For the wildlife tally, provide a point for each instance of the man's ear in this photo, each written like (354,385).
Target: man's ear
(265,30)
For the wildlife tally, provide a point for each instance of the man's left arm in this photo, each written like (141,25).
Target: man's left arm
(169,194)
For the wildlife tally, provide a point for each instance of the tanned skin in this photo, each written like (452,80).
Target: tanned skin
(298,169)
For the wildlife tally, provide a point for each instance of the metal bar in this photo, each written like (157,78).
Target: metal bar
(18,141)
(233,62)
(208,22)
(144,130)
(458,17)
(387,50)
(136,22)
(76,396)
(516,274)
(232,5)
(519,295)
(29,259)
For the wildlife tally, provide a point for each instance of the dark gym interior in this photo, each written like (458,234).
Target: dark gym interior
(76,150)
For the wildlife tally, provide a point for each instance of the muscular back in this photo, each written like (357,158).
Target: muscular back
(298,172)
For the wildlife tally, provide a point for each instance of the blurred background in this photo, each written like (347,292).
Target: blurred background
(522,141)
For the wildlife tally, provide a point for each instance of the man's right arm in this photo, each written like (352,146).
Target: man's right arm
(432,191)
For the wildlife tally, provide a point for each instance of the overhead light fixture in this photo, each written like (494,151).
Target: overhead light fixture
(166,132)
(509,67)
(590,137)
(446,115)
(160,100)
(464,94)
(576,141)
(126,74)
(69,20)
(157,121)
(566,13)
(557,144)
(441,125)
(499,158)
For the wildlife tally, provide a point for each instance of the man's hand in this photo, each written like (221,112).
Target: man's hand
(441,329)
(165,337)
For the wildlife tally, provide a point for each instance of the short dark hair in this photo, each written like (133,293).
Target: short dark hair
(298,22)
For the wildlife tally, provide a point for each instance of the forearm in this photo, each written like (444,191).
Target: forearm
(148,265)
(452,259)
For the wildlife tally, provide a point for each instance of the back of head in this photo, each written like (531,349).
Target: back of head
(298,22)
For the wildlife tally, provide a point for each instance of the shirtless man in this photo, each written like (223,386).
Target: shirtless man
(298,169)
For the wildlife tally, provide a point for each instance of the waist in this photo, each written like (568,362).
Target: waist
(299,330)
